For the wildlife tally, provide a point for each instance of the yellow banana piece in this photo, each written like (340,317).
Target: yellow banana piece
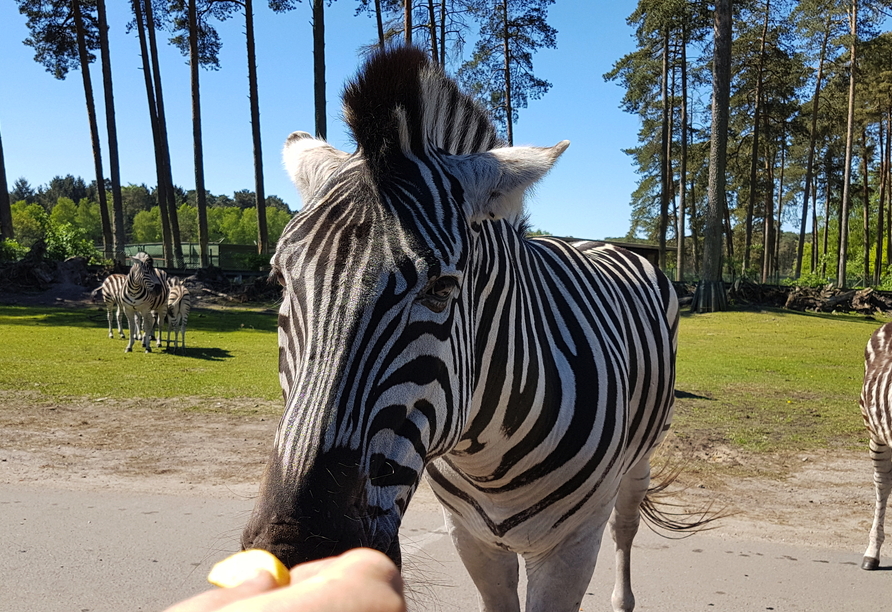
(237,568)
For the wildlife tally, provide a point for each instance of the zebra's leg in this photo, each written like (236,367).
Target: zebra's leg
(557,580)
(493,570)
(118,317)
(133,328)
(882,480)
(623,527)
(108,312)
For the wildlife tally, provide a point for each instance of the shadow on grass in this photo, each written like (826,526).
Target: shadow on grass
(205,354)
(685,395)
(200,319)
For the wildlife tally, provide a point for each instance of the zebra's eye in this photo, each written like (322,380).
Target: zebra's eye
(276,273)
(437,293)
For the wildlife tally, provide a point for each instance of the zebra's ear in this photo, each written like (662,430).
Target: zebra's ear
(309,162)
(495,181)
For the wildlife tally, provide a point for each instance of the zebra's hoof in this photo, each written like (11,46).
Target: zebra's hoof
(870,563)
(127,350)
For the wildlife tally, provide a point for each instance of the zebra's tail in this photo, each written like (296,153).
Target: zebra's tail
(671,519)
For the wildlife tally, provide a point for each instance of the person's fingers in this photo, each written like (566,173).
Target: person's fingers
(215,599)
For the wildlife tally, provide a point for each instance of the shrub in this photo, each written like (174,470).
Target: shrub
(10,251)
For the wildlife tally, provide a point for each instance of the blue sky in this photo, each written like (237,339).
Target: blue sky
(45,132)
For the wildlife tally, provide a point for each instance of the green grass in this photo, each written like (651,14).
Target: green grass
(762,381)
(772,380)
(67,352)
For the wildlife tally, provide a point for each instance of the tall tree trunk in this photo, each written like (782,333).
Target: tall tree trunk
(200,195)
(319,68)
(695,237)
(176,246)
(780,212)
(665,147)
(407,21)
(827,193)
(443,33)
(814,226)
(259,194)
(107,241)
(768,221)
(683,169)
(432,26)
(754,157)
(865,217)
(847,174)
(809,166)
(118,237)
(161,190)
(380,23)
(881,205)
(506,49)
(710,294)
(6,230)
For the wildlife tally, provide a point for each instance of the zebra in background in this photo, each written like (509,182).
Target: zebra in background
(876,408)
(179,303)
(420,329)
(111,290)
(144,298)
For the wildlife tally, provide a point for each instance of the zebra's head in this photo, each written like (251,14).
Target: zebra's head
(377,325)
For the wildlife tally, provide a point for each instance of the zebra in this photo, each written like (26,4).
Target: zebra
(144,299)
(876,395)
(179,303)
(422,331)
(111,289)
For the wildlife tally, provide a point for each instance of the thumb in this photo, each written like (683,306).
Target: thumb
(217,598)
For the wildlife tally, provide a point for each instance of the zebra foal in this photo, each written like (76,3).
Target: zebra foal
(179,303)
(145,300)
(422,331)
(876,408)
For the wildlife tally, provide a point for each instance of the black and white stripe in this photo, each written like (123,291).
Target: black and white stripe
(144,299)
(421,330)
(876,408)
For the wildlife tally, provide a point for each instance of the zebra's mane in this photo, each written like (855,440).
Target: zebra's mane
(400,102)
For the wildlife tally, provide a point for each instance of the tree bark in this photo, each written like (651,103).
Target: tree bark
(6,231)
(710,295)
(866,208)
(665,145)
(506,49)
(107,241)
(161,190)
(259,193)
(847,173)
(881,205)
(170,195)
(407,21)
(809,166)
(380,22)
(200,195)
(683,169)
(319,68)
(432,27)
(118,237)
(754,158)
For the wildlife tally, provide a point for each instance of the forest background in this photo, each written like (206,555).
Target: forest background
(801,197)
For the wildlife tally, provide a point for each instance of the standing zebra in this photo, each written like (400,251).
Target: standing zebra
(144,298)
(421,329)
(112,288)
(876,408)
(179,303)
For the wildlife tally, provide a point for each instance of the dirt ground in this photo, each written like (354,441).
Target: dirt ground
(157,446)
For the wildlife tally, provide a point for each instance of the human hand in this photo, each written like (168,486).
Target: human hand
(360,580)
